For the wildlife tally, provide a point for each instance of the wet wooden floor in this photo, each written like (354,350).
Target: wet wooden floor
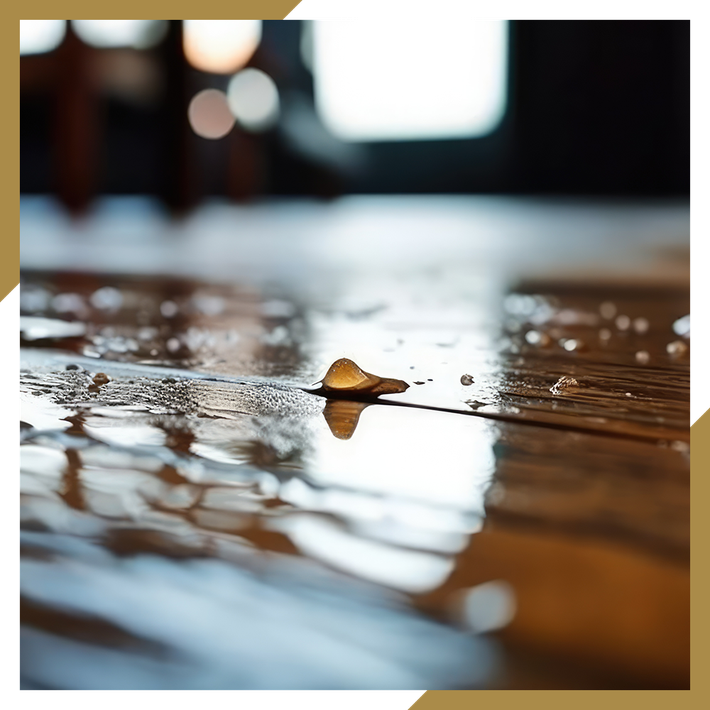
(517,518)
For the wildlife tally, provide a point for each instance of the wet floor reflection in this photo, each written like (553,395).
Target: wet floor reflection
(196,514)
(138,487)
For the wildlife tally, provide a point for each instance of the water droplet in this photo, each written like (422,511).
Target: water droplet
(604,334)
(344,375)
(466,380)
(173,345)
(535,337)
(676,348)
(564,384)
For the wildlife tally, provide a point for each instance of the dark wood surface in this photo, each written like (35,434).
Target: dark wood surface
(202,444)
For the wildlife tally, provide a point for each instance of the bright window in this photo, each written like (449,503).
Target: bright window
(38,36)
(377,81)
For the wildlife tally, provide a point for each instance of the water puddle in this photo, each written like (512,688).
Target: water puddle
(190,498)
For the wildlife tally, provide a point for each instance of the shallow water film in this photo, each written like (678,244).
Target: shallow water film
(204,505)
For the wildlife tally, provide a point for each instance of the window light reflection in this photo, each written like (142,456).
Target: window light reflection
(410,496)
(408,570)
(428,461)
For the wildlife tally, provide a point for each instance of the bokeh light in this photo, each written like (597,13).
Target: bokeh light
(139,34)
(253,99)
(38,36)
(209,114)
(220,46)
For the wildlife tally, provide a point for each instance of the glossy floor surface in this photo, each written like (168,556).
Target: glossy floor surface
(198,513)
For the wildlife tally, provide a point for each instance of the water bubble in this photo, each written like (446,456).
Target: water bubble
(346,375)
(466,380)
(676,348)
(101,378)
(565,383)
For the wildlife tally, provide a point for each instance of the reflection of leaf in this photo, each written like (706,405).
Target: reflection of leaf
(343,416)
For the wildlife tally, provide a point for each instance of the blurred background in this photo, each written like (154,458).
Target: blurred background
(186,110)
